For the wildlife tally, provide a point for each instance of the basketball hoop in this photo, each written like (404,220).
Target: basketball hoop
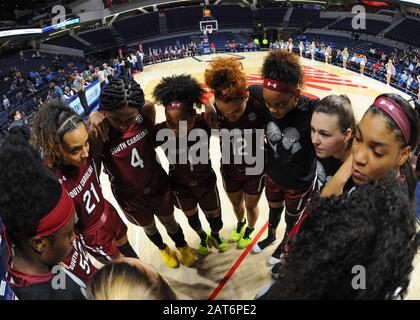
(209,29)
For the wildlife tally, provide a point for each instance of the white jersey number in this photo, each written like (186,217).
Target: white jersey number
(135,159)
(90,206)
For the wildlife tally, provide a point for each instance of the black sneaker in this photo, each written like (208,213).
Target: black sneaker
(275,270)
(275,257)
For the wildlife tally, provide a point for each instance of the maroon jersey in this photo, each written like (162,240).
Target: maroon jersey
(78,262)
(83,185)
(189,175)
(252,118)
(130,160)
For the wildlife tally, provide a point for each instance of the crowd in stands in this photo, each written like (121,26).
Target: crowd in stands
(172,52)
(26,91)
(237,46)
(23,92)
(399,68)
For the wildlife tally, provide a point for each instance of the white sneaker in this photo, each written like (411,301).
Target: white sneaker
(272,261)
(256,248)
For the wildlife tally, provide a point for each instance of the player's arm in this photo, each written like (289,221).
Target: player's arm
(335,186)
(210,114)
(149,111)
(98,126)
(96,143)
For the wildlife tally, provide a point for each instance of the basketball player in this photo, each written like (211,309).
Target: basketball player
(373,228)
(38,217)
(332,130)
(291,160)
(384,139)
(192,184)
(138,181)
(238,113)
(129,279)
(62,136)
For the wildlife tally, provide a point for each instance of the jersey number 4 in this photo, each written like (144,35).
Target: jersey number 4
(90,206)
(135,159)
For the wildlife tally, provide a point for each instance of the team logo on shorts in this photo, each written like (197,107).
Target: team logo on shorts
(252,116)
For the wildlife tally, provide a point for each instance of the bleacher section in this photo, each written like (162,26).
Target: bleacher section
(139,27)
(407,31)
(101,38)
(302,17)
(165,43)
(68,42)
(320,23)
(231,16)
(219,39)
(183,19)
(272,16)
(373,27)
(30,64)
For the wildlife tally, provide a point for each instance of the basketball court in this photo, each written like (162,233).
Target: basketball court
(239,274)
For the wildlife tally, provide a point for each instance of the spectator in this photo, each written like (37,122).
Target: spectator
(108,71)
(101,76)
(56,91)
(17,119)
(403,79)
(68,93)
(6,102)
(79,89)
(212,48)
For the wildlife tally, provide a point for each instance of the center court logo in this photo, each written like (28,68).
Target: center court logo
(241,147)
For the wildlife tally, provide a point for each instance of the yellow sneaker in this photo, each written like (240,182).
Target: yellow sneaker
(169,257)
(245,242)
(188,256)
(235,235)
(203,248)
(219,243)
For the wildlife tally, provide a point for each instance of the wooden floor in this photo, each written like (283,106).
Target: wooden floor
(239,274)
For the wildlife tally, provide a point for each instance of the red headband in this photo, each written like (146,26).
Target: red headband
(279,86)
(57,217)
(397,113)
(177,105)
(223,97)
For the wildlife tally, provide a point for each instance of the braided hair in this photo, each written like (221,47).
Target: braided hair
(119,93)
(28,190)
(51,123)
(179,87)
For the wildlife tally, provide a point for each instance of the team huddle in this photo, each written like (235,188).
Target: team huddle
(303,150)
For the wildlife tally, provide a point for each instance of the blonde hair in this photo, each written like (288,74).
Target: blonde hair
(126,279)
